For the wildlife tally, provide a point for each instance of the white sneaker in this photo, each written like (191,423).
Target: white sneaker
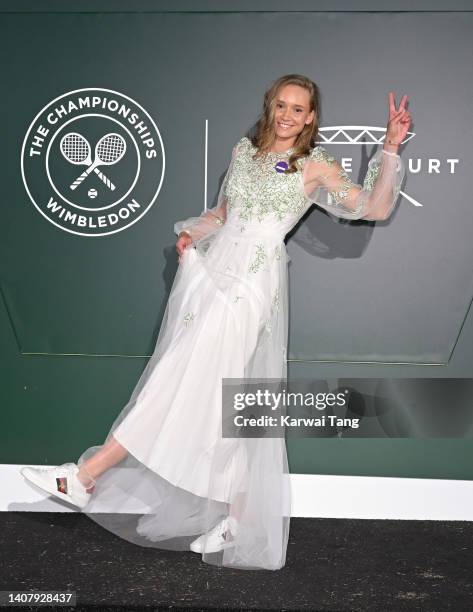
(60,481)
(218,538)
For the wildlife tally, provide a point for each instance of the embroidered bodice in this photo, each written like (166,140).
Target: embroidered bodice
(254,194)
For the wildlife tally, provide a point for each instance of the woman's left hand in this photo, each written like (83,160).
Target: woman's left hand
(399,120)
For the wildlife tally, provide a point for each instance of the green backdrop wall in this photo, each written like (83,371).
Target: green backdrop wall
(80,313)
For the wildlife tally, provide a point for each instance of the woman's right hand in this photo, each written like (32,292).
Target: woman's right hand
(183,241)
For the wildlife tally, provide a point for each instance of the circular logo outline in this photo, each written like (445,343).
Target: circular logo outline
(153,197)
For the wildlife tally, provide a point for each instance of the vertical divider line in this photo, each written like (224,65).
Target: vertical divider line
(205,156)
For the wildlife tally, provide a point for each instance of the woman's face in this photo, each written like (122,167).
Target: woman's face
(291,113)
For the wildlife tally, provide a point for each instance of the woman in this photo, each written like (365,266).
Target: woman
(166,476)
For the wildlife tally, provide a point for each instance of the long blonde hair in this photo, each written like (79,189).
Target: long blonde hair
(264,135)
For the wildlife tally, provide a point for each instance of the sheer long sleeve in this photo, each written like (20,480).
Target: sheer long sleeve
(327,185)
(210,220)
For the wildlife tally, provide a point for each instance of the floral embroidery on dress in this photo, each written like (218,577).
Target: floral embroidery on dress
(339,195)
(320,154)
(259,258)
(274,308)
(277,251)
(257,191)
(257,194)
(188,318)
(371,175)
(344,187)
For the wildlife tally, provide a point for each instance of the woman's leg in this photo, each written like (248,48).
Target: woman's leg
(110,454)
(238,505)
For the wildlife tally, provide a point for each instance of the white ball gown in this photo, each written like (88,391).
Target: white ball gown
(226,317)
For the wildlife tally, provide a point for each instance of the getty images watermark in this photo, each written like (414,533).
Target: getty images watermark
(348,407)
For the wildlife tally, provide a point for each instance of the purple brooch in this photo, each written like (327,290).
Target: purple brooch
(281,166)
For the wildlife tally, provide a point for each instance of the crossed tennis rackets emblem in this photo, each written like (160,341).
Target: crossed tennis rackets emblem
(108,151)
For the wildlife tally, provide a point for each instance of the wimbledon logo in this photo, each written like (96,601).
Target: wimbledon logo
(92,162)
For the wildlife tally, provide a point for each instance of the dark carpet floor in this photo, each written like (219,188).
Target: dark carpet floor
(332,564)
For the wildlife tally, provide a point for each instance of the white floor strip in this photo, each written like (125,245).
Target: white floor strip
(362,497)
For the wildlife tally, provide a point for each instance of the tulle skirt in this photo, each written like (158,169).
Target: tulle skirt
(226,317)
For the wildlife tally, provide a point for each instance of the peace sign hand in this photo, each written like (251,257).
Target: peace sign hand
(399,120)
